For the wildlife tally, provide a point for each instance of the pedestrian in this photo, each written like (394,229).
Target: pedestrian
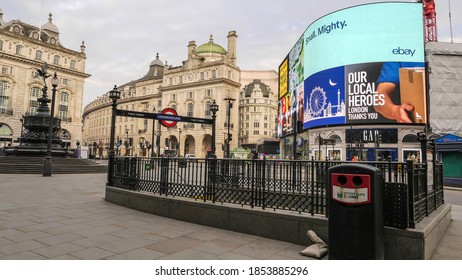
(355,158)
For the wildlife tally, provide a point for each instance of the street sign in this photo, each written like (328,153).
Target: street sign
(169,117)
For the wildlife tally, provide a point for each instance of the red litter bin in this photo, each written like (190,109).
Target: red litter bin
(355,212)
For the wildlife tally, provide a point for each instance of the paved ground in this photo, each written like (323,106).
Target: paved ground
(66,217)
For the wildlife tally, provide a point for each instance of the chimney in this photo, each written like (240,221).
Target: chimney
(232,36)
(191,48)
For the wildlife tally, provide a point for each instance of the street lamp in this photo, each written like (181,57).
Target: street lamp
(126,142)
(114,95)
(152,136)
(158,136)
(214,110)
(179,142)
(228,137)
(47,162)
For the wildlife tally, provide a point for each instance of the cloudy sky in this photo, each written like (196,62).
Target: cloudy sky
(122,37)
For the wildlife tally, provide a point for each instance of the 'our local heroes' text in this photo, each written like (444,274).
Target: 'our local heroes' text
(326,29)
(362,94)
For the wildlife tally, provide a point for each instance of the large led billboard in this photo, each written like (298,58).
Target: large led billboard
(361,65)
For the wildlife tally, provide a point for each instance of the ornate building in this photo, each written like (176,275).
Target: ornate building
(209,73)
(23,49)
(257,113)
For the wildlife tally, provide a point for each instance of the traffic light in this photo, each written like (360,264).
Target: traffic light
(230,137)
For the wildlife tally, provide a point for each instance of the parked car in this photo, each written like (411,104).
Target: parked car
(190,157)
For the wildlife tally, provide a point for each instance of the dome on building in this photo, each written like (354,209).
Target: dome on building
(210,47)
(157,61)
(256,86)
(50,26)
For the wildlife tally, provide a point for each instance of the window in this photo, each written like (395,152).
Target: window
(190,110)
(256,124)
(173,96)
(207,109)
(38,54)
(170,81)
(208,92)
(64,97)
(19,49)
(256,132)
(214,74)
(190,94)
(180,79)
(1,45)
(146,124)
(4,97)
(63,112)
(56,59)
(266,125)
(202,75)
(73,62)
(65,82)
(7,70)
(63,105)
(33,103)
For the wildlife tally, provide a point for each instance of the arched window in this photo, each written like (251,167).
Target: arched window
(33,103)
(4,97)
(214,74)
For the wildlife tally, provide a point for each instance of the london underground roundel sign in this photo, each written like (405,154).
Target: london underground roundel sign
(168,121)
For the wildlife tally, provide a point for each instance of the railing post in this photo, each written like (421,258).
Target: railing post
(312,185)
(164,175)
(263,183)
(410,187)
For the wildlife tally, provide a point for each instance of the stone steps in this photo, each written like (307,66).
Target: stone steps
(34,165)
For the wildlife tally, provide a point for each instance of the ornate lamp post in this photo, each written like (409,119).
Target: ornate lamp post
(158,136)
(152,137)
(114,95)
(47,162)
(214,110)
(228,137)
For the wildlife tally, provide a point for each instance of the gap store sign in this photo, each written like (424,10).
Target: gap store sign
(359,65)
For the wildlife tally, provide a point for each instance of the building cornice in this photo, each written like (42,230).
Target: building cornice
(39,63)
(199,84)
(108,103)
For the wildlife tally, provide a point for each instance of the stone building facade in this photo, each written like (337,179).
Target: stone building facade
(24,49)
(209,73)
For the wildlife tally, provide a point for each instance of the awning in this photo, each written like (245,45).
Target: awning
(453,147)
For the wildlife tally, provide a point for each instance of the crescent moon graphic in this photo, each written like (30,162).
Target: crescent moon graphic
(332,83)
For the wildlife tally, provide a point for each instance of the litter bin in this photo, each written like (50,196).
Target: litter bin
(355,212)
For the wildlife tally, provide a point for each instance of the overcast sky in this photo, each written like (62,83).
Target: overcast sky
(122,37)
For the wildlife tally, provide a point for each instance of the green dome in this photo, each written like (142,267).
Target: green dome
(210,47)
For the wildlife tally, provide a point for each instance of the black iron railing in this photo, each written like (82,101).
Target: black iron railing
(299,186)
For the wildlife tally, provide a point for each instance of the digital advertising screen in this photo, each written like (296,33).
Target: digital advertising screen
(362,65)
